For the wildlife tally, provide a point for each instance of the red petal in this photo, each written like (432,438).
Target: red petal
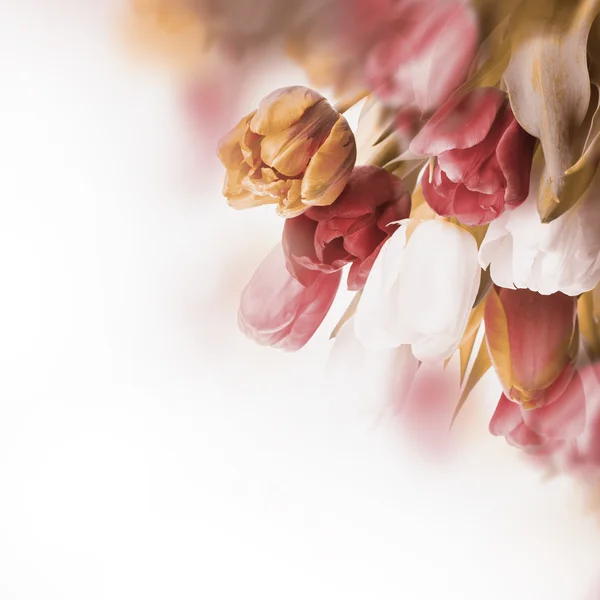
(475,208)
(515,154)
(299,248)
(439,197)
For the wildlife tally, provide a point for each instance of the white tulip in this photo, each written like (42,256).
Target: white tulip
(561,256)
(421,292)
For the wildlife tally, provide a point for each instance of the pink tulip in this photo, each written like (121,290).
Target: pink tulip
(543,431)
(351,230)
(423,54)
(483,157)
(533,341)
(277,310)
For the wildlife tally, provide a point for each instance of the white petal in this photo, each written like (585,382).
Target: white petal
(376,319)
(561,256)
(368,382)
(440,279)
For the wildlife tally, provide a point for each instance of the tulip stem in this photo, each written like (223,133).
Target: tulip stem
(343,105)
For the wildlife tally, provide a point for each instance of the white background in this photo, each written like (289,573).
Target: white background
(147,449)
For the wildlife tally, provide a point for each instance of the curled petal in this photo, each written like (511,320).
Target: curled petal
(330,168)
(549,87)
(228,149)
(515,153)
(282,108)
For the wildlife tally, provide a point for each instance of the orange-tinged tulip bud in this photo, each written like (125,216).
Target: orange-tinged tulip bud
(295,151)
(532,340)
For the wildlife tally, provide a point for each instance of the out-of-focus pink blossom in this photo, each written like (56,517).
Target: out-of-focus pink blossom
(483,157)
(546,430)
(351,230)
(277,310)
(423,54)
(426,410)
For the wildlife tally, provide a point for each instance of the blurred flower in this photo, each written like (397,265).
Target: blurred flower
(185,29)
(331,47)
(582,458)
(168,29)
(391,382)
(420,290)
(295,151)
(423,55)
(483,157)
(547,430)
(533,342)
(412,53)
(351,230)
(563,255)
(276,310)
(374,381)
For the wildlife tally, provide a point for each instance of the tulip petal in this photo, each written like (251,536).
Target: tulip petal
(524,438)
(462,122)
(376,322)
(282,108)
(437,286)
(276,310)
(565,417)
(330,168)
(289,151)
(507,417)
(540,331)
(549,86)
(228,149)
(299,249)
(515,153)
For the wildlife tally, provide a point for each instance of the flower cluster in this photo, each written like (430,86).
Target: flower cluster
(474,209)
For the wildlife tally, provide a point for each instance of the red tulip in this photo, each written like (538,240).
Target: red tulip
(483,157)
(277,310)
(351,230)
(533,341)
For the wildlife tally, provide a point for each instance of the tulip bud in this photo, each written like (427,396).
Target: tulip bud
(483,157)
(295,151)
(533,341)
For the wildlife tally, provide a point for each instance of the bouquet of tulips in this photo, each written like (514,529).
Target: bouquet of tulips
(463,210)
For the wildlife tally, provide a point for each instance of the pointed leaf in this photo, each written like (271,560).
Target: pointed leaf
(348,314)
(496,336)
(468,341)
(480,367)
(588,325)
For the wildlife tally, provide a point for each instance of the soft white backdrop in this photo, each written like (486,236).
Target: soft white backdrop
(147,449)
